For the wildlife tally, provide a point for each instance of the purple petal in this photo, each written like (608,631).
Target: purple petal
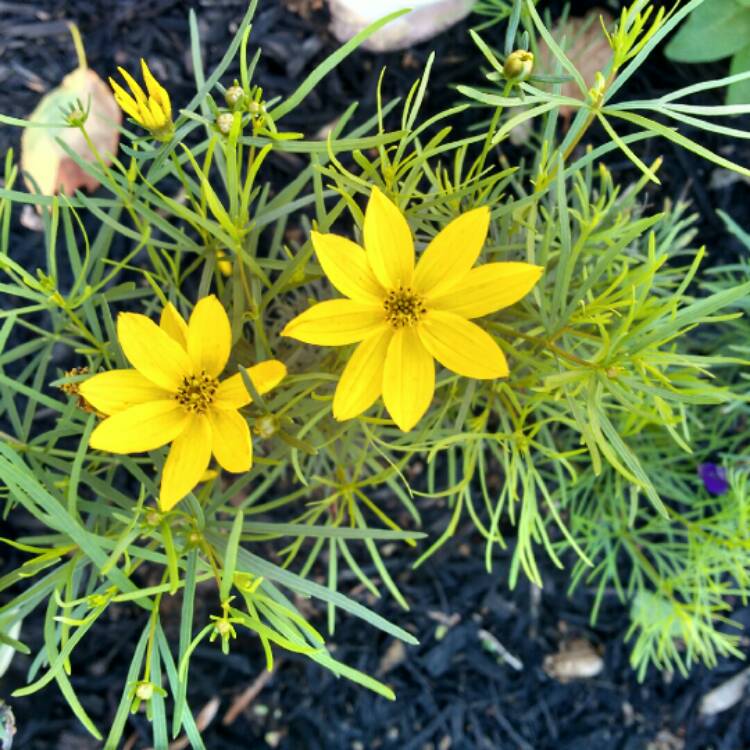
(714,478)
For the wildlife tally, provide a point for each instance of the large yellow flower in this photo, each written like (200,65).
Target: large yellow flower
(153,112)
(174,396)
(405,317)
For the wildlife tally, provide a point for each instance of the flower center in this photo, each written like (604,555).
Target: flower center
(196,392)
(403,307)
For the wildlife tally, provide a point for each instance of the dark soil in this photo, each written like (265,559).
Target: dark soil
(452,692)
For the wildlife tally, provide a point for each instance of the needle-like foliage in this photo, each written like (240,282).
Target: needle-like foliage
(626,369)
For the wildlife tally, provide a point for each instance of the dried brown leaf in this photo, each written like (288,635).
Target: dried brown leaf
(394,655)
(43,159)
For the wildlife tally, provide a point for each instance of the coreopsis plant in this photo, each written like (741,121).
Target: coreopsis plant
(521,336)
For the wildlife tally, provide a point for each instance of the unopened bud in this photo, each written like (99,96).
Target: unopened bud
(223,262)
(224,122)
(223,627)
(267,426)
(76,117)
(233,95)
(518,65)
(145,691)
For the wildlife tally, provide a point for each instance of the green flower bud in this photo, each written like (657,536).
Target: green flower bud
(518,65)
(76,117)
(224,122)
(145,691)
(233,95)
(266,427)
(224,627)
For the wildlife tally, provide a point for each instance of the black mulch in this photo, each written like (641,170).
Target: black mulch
(452,692)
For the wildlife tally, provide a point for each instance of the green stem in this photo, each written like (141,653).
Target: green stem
(152,637)
(544,343)
(481,161)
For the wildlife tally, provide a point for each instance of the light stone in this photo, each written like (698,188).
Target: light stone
(427,19)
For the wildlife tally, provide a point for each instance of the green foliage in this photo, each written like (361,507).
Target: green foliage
(626,373)
(714,31)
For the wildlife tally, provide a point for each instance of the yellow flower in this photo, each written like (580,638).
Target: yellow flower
(174,396)
(405,317)
(153,112)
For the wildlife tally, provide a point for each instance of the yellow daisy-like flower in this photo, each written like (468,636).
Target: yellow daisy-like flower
(153,112)
(174,395)
(405,317)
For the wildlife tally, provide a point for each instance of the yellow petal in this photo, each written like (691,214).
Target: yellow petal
(152,352)
(126,102)
(158,116)
(408,379)
(488,288)
(232,394)
(452,253)
(462,346)
(145,118)
(209,336)
(362,380)
(346,266)
(143,427)
(388,240)
(135,87)
(116,390)
(174,324)
(186,463)
(156,91)
(230,440)
(336,322)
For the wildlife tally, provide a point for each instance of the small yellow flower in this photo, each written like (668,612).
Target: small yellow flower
(153,112)
(405,317)
(174,396)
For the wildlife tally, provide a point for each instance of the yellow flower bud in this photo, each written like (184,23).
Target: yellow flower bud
(151,109)
(224,263)
(518,65)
